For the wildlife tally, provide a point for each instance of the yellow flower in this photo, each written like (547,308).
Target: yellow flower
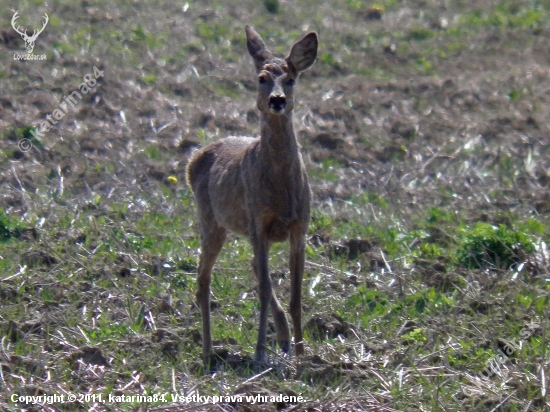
(172,179)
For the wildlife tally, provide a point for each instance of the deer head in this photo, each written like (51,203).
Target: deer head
(276,76)
(29,40)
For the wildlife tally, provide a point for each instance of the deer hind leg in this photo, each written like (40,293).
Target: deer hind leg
(297,256)
(212,240)
(281,324)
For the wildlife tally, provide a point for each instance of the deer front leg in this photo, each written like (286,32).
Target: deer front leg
(265,291)
(279,317)
(297,257)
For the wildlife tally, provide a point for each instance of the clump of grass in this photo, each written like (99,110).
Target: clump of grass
(420,33)
(9,227)
(488,245)
(416,335)
(272,6)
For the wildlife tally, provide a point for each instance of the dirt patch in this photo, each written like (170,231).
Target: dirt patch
(318,371)
(322,326)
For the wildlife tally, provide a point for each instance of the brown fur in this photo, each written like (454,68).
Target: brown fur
(258,188)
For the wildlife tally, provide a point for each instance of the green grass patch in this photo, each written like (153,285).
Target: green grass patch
(485,244)
(10,227)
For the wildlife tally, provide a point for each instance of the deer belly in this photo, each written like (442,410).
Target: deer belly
(233,219)
(277,230)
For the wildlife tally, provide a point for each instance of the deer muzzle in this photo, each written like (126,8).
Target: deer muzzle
(277,104)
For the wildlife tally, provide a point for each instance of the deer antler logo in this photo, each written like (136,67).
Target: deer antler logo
(29,40)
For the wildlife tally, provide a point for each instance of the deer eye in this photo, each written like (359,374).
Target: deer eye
(291,82)
(262,80)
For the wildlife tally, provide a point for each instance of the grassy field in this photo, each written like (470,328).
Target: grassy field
(424,128)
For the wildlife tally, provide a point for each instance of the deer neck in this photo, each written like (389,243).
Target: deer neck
(278,141)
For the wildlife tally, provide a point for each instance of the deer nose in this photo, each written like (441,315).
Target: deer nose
(277,102)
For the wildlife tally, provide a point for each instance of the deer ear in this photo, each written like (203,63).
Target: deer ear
(303,52)
(256,48)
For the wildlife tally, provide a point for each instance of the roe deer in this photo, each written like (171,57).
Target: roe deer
(258,188)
